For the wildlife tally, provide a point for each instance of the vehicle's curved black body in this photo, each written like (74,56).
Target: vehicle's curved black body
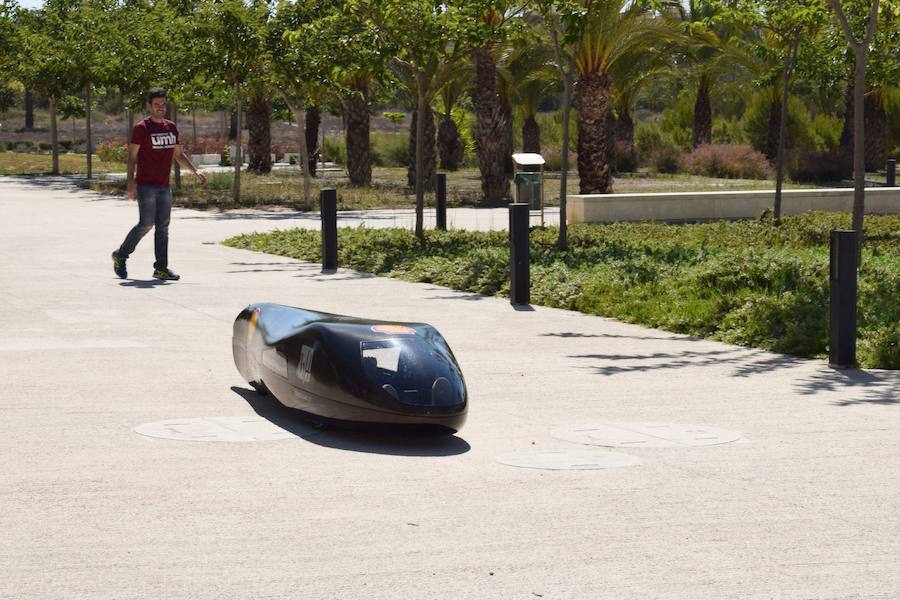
(338,368)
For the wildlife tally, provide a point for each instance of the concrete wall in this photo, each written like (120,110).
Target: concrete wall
(709,206)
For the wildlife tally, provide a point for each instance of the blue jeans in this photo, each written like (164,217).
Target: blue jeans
(155,206)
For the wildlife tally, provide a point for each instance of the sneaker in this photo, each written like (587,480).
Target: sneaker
(166,274)
(119,265)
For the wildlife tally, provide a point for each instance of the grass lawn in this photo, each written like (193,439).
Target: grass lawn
(748,282)
(27,163)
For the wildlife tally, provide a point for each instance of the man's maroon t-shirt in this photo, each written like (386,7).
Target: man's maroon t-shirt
(157,141)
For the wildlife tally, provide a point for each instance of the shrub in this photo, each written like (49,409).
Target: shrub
(112,151)
(818,167)
(45,146)
(389,149)
(666,159)
(727,160)
(648,138)
(625,158)
(728,131)
(800,131)
(334,150)
(65,145)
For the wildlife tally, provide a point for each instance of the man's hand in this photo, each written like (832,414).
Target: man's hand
(132,190)
(200,177)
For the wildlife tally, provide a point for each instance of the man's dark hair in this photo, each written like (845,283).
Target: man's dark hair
(156,93)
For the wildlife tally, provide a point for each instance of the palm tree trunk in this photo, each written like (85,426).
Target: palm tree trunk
(429,152)
(592,102)
(238,150)
(490,132)
(54,137)
(233,126)
(450,146)
(702,114)
(313,120)
(259,126)
(89,141)
(876,127)
(359,149)
(531,135)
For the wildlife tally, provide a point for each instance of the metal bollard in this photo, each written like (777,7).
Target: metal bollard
(842,313)
(441,201)
(519,260)
(891,175)
(328,208)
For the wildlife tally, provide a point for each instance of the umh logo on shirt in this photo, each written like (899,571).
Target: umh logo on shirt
(163,141)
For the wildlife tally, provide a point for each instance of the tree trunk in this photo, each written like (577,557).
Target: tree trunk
(429,155)
(313,120)
(508,139)
(238,150)
(194,124)
(876,131)
(29,111)
(702,114)
(450,146)
(531,135)
(859,144)
(773,129)
(789,62)
(423,110)
(592,102)
(54,137)
(359,148)
(259,125)
(300,115)
(490,131)
(87,124)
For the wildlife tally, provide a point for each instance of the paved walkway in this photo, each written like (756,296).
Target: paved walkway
(805,505)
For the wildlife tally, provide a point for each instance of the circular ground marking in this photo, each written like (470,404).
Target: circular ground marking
(645,435)
(568,459)
(216,429)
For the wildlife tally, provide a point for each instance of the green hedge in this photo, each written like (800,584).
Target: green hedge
(748,283)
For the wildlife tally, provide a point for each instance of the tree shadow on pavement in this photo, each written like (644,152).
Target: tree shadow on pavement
(368,440)
(860,387)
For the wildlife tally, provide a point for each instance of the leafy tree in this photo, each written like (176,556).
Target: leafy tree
(426,36)
(860,46)
(787,23)
(233,34)
(7,45)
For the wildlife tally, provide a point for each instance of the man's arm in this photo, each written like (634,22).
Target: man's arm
(133,150)
(184,161)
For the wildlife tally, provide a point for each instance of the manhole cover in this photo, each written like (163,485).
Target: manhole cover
(645,435)
(558,460)
(216,429)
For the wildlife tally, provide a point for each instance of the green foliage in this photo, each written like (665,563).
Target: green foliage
(801,132)
(746,282)
(113,151)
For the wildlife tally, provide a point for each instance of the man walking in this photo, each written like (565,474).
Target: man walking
(154,143)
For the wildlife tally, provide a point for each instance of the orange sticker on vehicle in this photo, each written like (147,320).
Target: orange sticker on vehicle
(394,329)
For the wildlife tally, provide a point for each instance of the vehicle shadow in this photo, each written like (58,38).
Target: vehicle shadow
(372,441)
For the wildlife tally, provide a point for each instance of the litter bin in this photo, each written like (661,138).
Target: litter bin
(528,178)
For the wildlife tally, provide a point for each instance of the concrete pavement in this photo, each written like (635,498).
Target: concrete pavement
(805,505)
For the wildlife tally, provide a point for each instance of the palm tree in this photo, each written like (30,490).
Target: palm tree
(528,75)
(451,149)
(356,113)
(613,31)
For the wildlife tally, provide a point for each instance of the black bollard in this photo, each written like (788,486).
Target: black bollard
(328,208)
(441,201)
(842,314)
(891,176)
(519,271)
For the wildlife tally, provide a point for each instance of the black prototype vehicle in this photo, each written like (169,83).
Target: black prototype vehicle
(337,368)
